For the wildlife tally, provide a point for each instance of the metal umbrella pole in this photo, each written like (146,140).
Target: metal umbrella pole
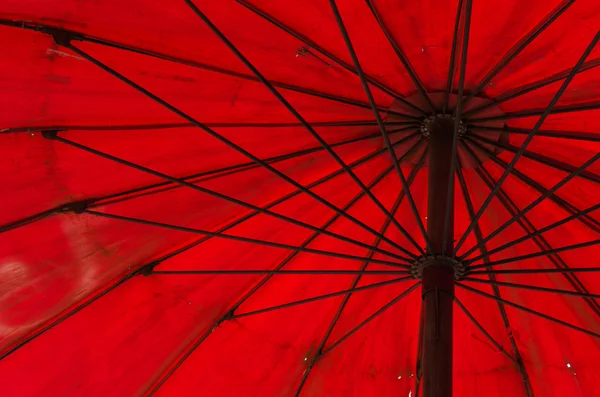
(437,269)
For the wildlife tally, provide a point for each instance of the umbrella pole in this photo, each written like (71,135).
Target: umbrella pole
(438,274)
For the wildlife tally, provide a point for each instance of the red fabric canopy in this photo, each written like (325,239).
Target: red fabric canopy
(78,318)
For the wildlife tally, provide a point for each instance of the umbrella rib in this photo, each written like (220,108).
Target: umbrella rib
(520,46)
(534,203)
(142,127)
(575,135)
(321,297)
(386,138)
(297,115)
(326,53)
(512,209)
(484,332)
(532,287)
(65,42)
(454,157)
(534,254)
(144,269)
(531,135)
(220,196)
(418,369)
(30,219)
(242,272)
(530,311)
(147,269)
(576,107)
(371,317)
(452,60)
(588,221)
(289,196)
(540,158)
(241,239)
(528,227)
(400,54)
(47,29)
(538,271)
(278,270)
(540,231)
(150,267)
(357,279)
(213,174)
(65,315)
(126,195)
(527,88)
(518,360)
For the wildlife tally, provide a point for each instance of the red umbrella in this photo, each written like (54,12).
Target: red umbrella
(263,198)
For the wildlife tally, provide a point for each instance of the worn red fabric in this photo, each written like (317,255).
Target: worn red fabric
(74,322)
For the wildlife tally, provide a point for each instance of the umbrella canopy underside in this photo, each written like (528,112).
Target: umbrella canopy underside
(170,169)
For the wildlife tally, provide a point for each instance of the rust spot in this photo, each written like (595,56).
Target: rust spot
(372,371)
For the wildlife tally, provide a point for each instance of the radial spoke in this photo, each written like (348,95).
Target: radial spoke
(575,135)
(532,287)
(224,197)
(151,265)
(143,127)
(148,269)
(30,219)
(540,158)
(540,231)
(47,29)
(577,107)
(537,271)
(513,210)
(540,241)
(528,310)
(326,53)
(241,239)
(321,297)
(371,317)
(517,92)
(588,221)
(347,207)
(457,122)
(479,237)
(384,228)
(386,138)
(226,171)
(248,166)
(537,126)
(152,188)
(534,203)
(520,46)
(417,82)
(65,315)
(291,109)
(279,270)
(242,272)
(418,369)
(64,41)
(453,56)
(483,331)
(534,254)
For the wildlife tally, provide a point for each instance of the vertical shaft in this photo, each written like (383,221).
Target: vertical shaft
(438,274)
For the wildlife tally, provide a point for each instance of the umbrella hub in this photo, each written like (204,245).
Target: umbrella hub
(489,123)
(440,121)
(419,266)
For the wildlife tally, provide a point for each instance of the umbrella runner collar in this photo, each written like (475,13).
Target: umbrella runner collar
(418,266)
(428,123)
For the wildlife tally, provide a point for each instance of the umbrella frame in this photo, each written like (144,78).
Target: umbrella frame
(437,266)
